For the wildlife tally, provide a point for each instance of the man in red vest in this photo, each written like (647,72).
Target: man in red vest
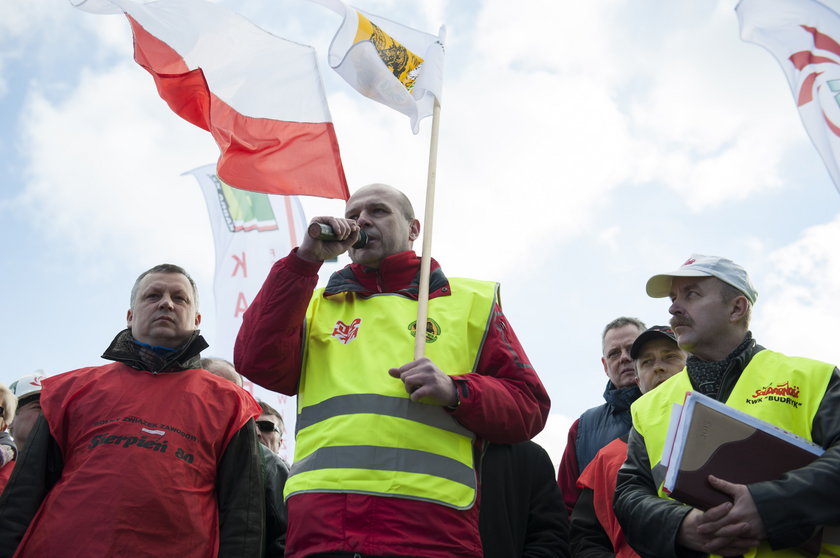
(147,456)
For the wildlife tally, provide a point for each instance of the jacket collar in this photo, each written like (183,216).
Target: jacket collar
(397,274)
(620,399)
(124,349)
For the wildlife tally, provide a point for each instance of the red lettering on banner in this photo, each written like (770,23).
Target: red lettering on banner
(240,263)
(241,305)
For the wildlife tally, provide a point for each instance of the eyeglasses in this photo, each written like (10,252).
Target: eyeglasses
(267,426)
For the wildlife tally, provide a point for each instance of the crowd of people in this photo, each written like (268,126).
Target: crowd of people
(163,453)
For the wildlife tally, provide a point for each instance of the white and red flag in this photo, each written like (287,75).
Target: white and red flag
(804,36)
(396,65)
(260,96)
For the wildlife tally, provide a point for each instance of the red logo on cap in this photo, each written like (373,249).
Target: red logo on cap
(689,261)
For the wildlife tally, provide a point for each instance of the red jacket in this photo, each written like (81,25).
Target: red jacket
(567,472)
(600,477)
(504,402)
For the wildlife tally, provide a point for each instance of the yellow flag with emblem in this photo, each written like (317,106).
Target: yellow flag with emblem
(388,62)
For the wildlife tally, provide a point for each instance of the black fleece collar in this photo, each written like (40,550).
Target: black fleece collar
(124,349)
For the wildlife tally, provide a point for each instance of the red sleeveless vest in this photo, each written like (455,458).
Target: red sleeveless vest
(140,456)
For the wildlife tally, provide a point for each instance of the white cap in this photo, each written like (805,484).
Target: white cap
(28,385)
(698,265)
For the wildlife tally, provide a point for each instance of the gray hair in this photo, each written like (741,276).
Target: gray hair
(164,268)
(208,362)
(728,293)
(271,411)
(621,322)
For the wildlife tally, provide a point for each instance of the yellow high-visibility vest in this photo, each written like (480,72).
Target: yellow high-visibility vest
(358,430)
(783,390)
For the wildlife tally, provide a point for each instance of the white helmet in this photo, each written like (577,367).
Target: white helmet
(26,386)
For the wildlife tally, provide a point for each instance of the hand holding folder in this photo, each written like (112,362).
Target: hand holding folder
(712,438)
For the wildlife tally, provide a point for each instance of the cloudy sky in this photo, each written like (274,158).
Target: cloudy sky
(584,147)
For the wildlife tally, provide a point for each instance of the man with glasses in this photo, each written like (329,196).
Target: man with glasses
(270,427)
(274,469)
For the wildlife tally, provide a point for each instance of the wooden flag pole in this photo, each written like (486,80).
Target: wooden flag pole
(426,257)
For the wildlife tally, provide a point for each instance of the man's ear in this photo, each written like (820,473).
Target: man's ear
(197,318)
(604,362)
(740,307)
(414,230)
(128,318)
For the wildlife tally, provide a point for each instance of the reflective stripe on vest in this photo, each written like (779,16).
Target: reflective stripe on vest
(785,391)
(357,429)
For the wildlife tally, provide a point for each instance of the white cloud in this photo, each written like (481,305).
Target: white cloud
(712,124)
(566,130)
(800,302)
(103,172)
(553,437)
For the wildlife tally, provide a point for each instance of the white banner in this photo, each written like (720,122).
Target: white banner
(804,36)
(251,231)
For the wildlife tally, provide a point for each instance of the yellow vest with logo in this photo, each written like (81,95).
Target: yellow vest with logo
(357,429)
(783,390)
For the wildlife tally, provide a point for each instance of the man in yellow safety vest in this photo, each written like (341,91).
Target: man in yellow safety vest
(711,305)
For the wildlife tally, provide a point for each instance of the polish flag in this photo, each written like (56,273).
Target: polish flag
(260,96)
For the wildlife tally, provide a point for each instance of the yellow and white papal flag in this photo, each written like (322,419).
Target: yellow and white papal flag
(804,36)
(388,62)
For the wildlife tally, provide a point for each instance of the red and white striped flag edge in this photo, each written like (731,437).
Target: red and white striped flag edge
(260,96)
(804,37)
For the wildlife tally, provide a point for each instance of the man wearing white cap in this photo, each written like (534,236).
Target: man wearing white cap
(711,305)
(26,394)
(27,389)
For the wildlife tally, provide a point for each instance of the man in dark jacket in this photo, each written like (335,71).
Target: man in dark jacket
(274,469)
(521,512)
(600,425)
(711,304)
(594,531)
(149,455)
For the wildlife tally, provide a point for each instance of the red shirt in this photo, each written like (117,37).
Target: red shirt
(505,402)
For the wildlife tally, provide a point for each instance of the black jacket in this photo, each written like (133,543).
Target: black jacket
(521,511)
(275,474)
(791,508)
(238,485)
(601,425)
